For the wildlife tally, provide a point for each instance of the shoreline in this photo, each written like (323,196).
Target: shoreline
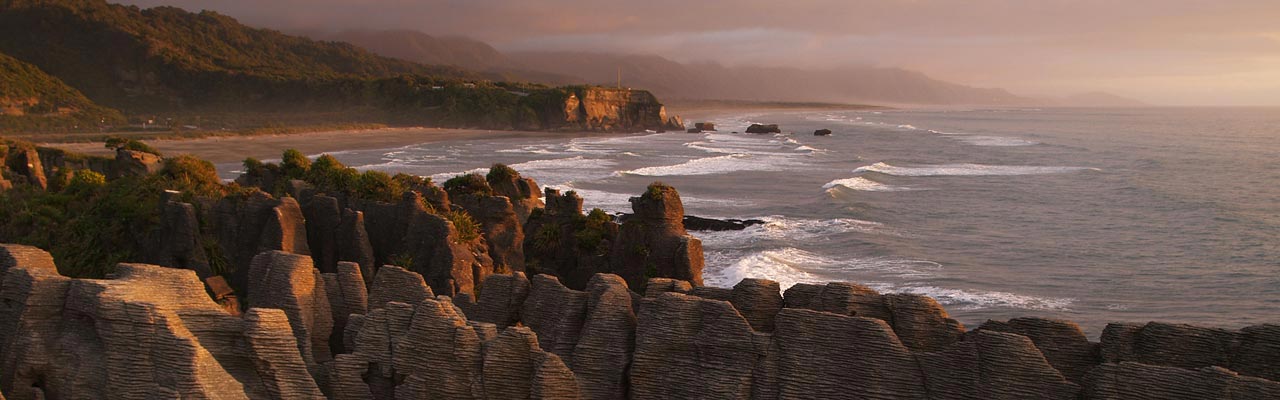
(232,149)
(235,148)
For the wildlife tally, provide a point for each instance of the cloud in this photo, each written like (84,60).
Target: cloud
(1050,46)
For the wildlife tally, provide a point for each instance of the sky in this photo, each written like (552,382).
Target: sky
(1167,52)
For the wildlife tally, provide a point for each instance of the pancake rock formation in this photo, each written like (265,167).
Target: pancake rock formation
(149,331)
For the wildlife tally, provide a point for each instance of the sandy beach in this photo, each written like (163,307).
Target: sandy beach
(227,149)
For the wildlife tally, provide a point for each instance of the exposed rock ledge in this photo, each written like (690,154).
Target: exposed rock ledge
(151,331)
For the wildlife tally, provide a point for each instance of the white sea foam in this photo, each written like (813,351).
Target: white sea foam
(967,170)
(714,165)
(550,171)
(787,266)
(780,228)
(578,162)
(996,141)
(532,149)
(863,184)
(620,202)
(977,299)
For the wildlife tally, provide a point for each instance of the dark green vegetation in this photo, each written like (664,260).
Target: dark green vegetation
(170,70)
(90,223)
(33,100)
(330,176)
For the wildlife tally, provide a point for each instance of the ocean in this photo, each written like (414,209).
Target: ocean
(1091,215)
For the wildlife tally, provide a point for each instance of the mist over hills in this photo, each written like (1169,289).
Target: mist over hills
(675,80)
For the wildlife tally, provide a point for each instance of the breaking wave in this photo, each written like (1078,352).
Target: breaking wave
(863,184)
(714,165)
(967,170)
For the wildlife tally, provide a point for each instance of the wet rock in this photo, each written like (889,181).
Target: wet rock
(830,356)
(291,283)
(654,243)
(996,366)
(694,223)
(693,130)
(692,348)
(762,128)
(822,132)
(1063,344)
(705,126)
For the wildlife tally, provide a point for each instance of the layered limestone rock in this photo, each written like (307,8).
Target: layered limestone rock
(395,284)
(406,233)
(335,234)
(1063,343)
(146,332)
(290,282)
(177,241)
(759,300)
(919,321)
(504,296)
(247,226)
(1135,381)
(997,366)
(559,242)
(831,356)
(603,351)
(556,313)
(151,331)
(654,244)
(693,348)
(432,351)
(500,225)
(614,109)
(523,192)
(348,296)
(1250,351)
